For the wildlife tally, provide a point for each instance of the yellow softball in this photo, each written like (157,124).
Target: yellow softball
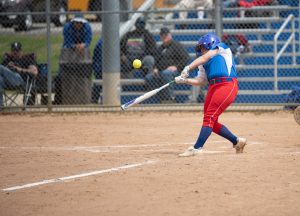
(137,63)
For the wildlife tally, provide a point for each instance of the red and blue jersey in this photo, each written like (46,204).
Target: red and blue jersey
(220,65)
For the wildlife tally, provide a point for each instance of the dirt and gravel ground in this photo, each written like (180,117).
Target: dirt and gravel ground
(126,164)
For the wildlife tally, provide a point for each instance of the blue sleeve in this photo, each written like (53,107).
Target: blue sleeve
(89,35)
(68,39)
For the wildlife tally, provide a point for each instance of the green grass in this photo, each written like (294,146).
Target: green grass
(38,45)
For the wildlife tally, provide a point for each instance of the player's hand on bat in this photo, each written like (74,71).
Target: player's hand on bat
(180,80)
(185,72)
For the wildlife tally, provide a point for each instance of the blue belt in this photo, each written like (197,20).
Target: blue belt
(220,80)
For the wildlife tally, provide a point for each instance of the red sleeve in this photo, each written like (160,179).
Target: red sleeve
(245,3)
(225,37)
(242,39)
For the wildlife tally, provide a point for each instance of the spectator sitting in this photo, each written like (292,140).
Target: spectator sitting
(136,45)
(15,68)
(248,3)
(199,5)
(249,13)
(238,44)
(170,59)
(251,3)
(97,69)
(194,4)
(230,3)
(77,36)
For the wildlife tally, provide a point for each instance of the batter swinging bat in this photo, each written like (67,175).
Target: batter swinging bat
(144,96)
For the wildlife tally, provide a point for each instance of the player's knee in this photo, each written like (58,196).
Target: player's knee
(209,121)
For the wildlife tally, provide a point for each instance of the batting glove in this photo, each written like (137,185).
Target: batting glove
(185,72)
(180,80)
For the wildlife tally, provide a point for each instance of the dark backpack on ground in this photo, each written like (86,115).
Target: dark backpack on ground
(293,97)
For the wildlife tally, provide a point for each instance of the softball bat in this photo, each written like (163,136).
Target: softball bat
(144,96)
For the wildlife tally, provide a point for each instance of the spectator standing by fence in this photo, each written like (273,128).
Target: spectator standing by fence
(77,35)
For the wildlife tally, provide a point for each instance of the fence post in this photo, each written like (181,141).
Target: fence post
(294,41)
(111,50)
(218,17)
(49,74)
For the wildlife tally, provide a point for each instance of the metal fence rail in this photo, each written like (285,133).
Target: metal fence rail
(290,40)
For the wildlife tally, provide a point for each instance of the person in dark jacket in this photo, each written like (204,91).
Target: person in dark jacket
(15,68)
(136,44)
(170,59)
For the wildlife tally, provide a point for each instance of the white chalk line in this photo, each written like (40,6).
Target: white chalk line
(93,149)
(106,149)
(66,178)
(174,151)
(204,151)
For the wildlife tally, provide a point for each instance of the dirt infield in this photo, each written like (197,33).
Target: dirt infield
(126,164)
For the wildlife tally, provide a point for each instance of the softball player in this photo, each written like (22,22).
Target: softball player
(216,66)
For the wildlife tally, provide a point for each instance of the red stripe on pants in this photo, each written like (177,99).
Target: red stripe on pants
(219,97)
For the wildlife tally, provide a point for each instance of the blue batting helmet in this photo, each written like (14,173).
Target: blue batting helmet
(207,41)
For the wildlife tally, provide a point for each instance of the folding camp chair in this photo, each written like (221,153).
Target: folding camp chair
(11,94)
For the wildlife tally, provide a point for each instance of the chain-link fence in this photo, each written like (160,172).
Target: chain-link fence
(65,63)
